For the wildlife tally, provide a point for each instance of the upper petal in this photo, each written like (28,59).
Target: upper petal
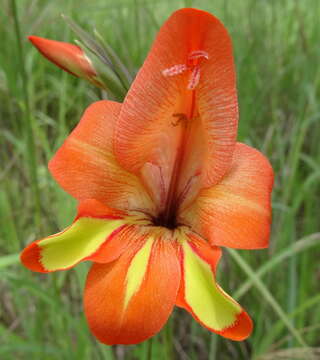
(165,123)
(129,300)
(236,212)
(86,167)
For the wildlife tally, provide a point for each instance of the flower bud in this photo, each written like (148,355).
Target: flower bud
(68,57)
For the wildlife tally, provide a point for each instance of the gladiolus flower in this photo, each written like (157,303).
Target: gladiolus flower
(68,57)
(162,184)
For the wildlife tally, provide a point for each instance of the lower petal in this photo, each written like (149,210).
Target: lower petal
(98,233)
(203,297)
(129,300)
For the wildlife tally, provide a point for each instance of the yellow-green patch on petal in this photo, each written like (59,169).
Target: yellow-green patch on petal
(137,270)
(82,239)
(209,303)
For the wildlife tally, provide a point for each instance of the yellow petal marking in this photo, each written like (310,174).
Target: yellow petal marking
(222,196)
(207,300)
(81,239)
(137,270)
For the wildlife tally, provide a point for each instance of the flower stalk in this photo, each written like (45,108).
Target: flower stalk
(31,146)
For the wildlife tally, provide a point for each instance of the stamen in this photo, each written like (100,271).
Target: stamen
(174,70)
(193,65)
(194,78)
(198,54)
(190,185)
(181,117)
(152,174)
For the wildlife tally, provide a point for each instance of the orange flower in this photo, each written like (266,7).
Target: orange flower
(162,184)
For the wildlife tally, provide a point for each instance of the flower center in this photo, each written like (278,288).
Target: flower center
(168,222)
(155,223)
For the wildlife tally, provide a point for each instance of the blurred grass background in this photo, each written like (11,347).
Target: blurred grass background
(277,52)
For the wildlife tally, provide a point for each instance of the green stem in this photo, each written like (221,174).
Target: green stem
(213,347)
(167,340)
(9,260)
(149,349)
(31,148)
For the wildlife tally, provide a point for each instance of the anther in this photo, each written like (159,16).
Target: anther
(194,78)
(193,65)
(180,118)
(198,54)
(174,70)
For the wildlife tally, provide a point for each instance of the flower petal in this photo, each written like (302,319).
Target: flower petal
(160,105)
(202,296)
(86,168)
(129,300)
(236,212)
(99,235)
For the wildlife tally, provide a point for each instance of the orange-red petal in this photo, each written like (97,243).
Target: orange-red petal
(86,168)
(129,300)
(157,108)
(236,212)
(203,297)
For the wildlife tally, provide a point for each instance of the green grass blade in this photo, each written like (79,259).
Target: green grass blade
(31,147)
(300,246)
(267,295)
